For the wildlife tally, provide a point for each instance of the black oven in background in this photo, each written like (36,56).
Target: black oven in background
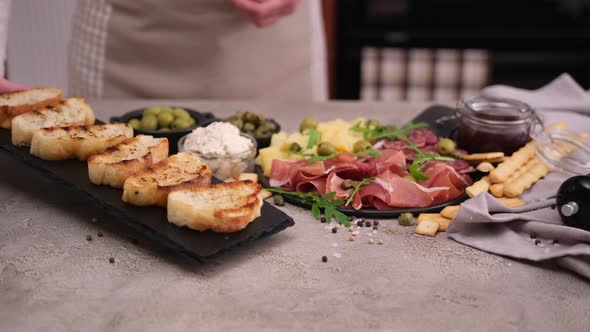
(530,41)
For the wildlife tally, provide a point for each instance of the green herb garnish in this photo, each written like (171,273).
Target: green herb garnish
(422,158)
(313,158)
(319,204)
(357,187)
(314,137)
(369,153)
(373,132)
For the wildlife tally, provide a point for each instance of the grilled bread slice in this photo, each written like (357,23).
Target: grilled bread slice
(114,165)
(69,112)
(60,143)
(17,103)
(152,185)
(225,207)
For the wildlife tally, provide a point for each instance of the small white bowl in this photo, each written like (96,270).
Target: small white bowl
(226,166)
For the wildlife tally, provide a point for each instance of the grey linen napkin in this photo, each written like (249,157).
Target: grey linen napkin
(486,224)
(562,93)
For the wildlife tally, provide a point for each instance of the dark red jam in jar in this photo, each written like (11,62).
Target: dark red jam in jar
(490,125)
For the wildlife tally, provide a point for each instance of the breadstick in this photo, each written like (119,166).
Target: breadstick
(450,211)
(520,184)
(511,202)
(485,167)
(501,173)
(478,187)
(483,156)
(497,190)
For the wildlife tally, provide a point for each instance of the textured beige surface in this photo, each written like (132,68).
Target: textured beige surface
(52,279)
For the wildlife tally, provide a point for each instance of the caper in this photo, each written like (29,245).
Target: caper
(237,122)
(180,113)
(268,126)
(135,123)
(149,122)
(325,149)
(248,127)
(294,147)
(261,132)
(406,219)
(279,200)
(251,118)
(445,146)
(165,119)
(347,184)
(308,123)
(361,145)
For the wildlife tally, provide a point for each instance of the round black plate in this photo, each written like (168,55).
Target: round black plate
(366,212)
(173,135)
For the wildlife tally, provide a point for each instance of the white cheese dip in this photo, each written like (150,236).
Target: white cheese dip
(218,138)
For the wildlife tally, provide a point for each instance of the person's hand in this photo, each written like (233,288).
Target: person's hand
(8,86)
(263,13)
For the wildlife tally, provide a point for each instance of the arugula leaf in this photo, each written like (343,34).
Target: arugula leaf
(422,158)
(357,186)
(314,137)
(319,204)
(369,153)
(313,158)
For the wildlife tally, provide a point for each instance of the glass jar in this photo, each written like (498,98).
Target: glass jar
(491,125)
(564,150)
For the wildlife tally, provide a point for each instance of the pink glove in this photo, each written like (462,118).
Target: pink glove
(7,86)
(263,13)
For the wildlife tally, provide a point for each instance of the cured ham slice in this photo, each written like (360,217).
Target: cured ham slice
(390,160)
(282,172)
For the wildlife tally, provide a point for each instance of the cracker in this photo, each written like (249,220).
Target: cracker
(450,211)
(434,217)
(427,227)
(478,187)
(248,176)
(485,167)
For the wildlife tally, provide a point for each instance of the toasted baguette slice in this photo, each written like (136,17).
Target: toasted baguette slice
(69,112)
(224,208)
(17,103)
(152,186)
(60,143)
(114,165)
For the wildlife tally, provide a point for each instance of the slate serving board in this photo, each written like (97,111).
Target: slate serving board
(151,221)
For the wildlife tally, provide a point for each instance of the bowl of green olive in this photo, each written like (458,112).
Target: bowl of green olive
(255,125)
(171,122)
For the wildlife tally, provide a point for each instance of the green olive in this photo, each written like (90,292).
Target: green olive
(192,122)
(165,119)
(164,129)
(248,127)
(445,146)
(325,149)
(406,219)
(237,122)
(135,123)
(180,113)
(149,122)
(294,147)
(261,132)
(308,123)
(361,145)
(180,123)
(152,110)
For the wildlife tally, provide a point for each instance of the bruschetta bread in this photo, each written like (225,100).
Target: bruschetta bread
(16,103)
(114,165)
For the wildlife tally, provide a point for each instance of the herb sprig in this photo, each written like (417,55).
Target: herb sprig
(319,204)
(357,187)
(371,131)
(422,158)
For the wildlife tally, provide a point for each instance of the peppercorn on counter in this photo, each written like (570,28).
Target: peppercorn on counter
(68,265)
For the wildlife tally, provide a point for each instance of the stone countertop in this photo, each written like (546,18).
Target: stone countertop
(53,279)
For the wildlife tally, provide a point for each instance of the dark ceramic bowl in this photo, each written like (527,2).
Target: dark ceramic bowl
(264,141)
(173,135)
